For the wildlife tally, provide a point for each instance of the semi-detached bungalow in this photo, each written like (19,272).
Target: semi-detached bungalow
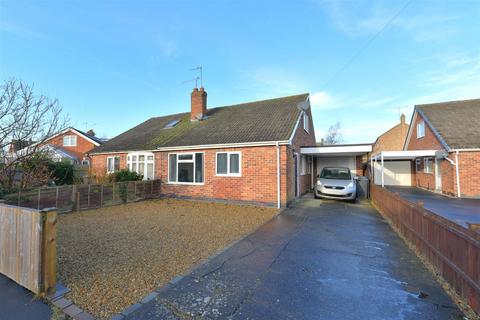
(247,152)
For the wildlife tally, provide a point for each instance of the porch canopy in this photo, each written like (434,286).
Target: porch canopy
(338,150)
(397,155)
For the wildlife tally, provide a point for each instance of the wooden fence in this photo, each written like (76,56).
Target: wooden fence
(452,249)
(28,247)
(85,196)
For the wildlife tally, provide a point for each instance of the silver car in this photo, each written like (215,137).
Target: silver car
(336,183)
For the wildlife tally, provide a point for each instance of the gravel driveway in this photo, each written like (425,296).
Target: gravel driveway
(112,257)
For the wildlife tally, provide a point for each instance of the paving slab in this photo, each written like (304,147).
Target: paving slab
(317,260)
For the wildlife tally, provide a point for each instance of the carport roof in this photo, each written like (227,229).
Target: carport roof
(404,155)
(338,150)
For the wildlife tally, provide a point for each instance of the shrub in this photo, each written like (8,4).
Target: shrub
(125,175)
(61,172)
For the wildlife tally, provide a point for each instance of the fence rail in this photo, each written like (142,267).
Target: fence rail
(28,247)
(452,249)
(88,196)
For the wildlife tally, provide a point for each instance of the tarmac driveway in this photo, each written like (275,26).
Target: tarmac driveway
(461,211)
(317,260)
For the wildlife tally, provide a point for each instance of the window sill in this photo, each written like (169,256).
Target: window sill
(187,183)
(229,175)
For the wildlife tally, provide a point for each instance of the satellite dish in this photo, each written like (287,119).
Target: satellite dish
(441,154)
(303,106)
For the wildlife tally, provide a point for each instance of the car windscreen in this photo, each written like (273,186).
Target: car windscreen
(336,173)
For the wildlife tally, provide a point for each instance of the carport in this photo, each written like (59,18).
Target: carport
(346,155)
(394,168)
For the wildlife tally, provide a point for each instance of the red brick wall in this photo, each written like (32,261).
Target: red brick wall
(422,179)
(392,140)
(83,145)
(98,163)
(257,184)
(469,168)
(428,142)
(300,139)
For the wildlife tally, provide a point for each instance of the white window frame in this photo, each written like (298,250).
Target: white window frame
(146,162)
(426,168)
(86,162)
(113,159)
(421,129)
(418,161)
(72,140)
(228,174)
(306,122)
(186,161)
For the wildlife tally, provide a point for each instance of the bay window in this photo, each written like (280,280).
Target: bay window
(186,168)
(142,163)
(228,164)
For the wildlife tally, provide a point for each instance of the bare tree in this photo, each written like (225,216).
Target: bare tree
(334,135)
(26,120)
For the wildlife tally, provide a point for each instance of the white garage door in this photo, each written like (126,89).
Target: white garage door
(396,173)
(323,162)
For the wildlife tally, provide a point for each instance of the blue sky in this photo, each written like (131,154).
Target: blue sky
(114,64)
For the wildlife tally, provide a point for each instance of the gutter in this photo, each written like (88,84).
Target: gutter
(457,173)
(227,145)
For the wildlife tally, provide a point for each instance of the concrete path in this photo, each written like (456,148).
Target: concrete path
(461,211)
(17,303)
(318,260)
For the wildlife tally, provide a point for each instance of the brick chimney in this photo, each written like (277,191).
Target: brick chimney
(199,104)
(402,118)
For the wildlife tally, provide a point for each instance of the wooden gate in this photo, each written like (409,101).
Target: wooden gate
(28,247)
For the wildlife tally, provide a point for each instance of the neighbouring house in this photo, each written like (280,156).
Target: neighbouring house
(442,148)
(248,152)
(397,171)
(69,144)
(392,139)
(452,130)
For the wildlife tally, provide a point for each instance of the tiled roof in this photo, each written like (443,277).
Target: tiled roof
(259,121)
(457,122)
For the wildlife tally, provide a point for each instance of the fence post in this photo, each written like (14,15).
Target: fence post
(135,192)
(101,195)
(56,198)
(38,199)
(19,195)
(49,251)
(77,200)
(88,196)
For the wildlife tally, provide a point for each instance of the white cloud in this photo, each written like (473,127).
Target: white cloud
(322,100)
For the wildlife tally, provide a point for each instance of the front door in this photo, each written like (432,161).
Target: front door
(438,175)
